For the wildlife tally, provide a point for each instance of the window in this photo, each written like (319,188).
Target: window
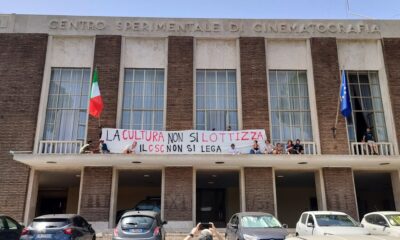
(370,219)
(12,225)
(216,100)
(67,104)
(290,107)
(143,101)
(380,220)
(304,218)
(366,104)
(266,221)
(310,219)
(235,220)
(335,220)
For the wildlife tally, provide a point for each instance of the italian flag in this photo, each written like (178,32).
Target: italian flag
(96,102)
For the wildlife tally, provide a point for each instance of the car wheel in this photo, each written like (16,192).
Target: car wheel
(94,237)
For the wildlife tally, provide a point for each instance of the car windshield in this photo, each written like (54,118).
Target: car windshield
(43,223)
(142,222)
(331,220)
(394,219)
(143,206)
(266,221)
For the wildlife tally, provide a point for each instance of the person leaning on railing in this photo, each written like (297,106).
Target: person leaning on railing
(368,137)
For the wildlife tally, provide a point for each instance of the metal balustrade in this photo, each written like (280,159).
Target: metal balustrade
(309,148)
(59,147)
(365,148)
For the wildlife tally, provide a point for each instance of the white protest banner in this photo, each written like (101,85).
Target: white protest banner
(181,142)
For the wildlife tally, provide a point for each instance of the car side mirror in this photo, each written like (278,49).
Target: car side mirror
(285,225)
(164,222)
(235,226)
(386,225)
(311,225)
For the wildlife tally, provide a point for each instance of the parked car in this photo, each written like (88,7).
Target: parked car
(328,223)
(9,228)
(343,237)
(253,226)
(140,225)
(382,223)
(149,204)
(59,227)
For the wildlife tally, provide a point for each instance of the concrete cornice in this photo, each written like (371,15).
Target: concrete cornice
(40,161)
(199,27)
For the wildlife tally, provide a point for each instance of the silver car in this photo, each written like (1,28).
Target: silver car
(254,226)
(140,225)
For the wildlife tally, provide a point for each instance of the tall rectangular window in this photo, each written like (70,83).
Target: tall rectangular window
(216,100)
(367,108)
(290,107)
(143,101)
(67,104)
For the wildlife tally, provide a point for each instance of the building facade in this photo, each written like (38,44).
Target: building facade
(283,76)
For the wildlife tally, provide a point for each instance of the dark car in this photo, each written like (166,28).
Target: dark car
(149,204)
(140,225)
(9,228)
(253,226)
(59,227)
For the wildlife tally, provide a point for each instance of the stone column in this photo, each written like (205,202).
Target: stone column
(253,66)
(340,190)
(96,195)
(259,189)
(22,60)
(180,83)
(327,85)
(107,57)
(178,202)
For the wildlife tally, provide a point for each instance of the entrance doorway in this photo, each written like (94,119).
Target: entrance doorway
(374,192)
(295,193)
(138,188)
(58,192)
(217,196)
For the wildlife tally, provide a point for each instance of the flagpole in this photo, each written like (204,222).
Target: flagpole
(338,106)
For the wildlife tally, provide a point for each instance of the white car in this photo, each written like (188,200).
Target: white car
(382,223)
(328,223)
(341,237)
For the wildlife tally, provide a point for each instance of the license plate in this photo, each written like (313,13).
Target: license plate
(137,230)
(43,236)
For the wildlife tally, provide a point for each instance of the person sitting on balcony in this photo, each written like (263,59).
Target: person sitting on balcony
(103,147)
(368,137)
(289,147)
(85,149)
(298,148)
(131,148)
(255,149)
(233,150)
(278,149)
(269,148)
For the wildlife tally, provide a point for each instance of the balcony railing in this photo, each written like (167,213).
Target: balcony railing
(377,148)
(59,147)
(310,148)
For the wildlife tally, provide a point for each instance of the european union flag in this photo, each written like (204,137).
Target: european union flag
(345,106)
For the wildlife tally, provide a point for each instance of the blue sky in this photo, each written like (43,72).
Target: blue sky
(293,9)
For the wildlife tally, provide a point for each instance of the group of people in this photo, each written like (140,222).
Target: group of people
(269,148)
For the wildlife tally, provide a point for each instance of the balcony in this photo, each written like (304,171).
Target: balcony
(363,148)
(59,147)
